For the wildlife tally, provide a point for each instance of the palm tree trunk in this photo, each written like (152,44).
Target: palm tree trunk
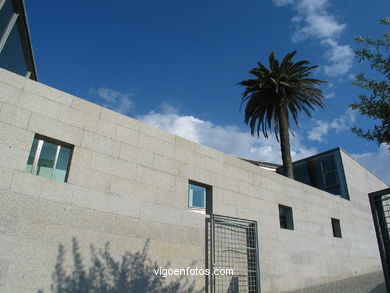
(285,143)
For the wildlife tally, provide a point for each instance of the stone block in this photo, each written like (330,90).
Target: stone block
(127,135)
(267,195)
(87,177)
(100,144)
(9,94)
(35,208)
(156,178)
(97,221)
(248,189)
(125,187)
(221,208)
(48,92)
(37,104)
(213,165)
(164,164)
(157,133)
(120,119)
(6,175)
(203,176)
(40,187)
(81,157)
(236,199)
(13,158)
(155,145)
(86,107)
(106,128)
(8,225)
(113,166)
(78,118)
(55,129)
(209,152)
(227,183)
(105,202)
(4,275)
(181,142)
(156,213)
(14,115)
(172,199)
(11,78)
(137,155)
(15,137)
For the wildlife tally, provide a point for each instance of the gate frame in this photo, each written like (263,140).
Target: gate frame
(212,249)
(375,197)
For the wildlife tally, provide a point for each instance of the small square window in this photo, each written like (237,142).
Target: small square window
(336,228)
(286,217)
(199,196)
(49,158)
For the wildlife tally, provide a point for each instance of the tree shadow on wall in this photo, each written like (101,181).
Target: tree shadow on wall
(133,273)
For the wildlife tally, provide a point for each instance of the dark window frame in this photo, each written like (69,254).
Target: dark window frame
(336,228)
(286,217)
(57,142)
(208,200)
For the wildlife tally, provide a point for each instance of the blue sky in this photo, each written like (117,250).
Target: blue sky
(176,63)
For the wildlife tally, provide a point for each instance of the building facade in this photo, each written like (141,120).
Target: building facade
(72,169)
(16,52)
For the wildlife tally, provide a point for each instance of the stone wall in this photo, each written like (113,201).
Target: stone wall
(128,183)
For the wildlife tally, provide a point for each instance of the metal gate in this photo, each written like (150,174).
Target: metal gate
(233,246)
(380,207)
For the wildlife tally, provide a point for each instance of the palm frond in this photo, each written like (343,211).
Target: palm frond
(286,84)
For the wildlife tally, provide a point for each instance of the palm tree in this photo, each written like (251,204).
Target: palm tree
(275,95)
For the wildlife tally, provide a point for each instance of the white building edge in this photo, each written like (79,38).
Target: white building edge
(128,182)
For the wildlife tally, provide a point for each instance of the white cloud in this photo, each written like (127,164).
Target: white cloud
(318,132)
(117,101)
(314,21)
(378,162)
(340,58)
(344,122)
(228,139)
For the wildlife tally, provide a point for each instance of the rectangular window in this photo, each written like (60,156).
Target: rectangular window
(199,196)
(49,158)
(336,228)
(286,217)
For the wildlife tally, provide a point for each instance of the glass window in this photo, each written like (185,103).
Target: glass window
(301,173)
(328,164)
(331,179)
(286,217)
(62,164)
(336,228)
(49,159)
(31,157)
(6,13)
(197,196)
(46,160)
(12,56)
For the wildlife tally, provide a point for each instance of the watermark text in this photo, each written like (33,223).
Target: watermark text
(165,272)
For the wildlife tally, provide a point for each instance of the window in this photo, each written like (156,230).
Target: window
(199,196)
(286,217)
(6,13)
(49,158)
(323,171)
(336,228)
(329,173)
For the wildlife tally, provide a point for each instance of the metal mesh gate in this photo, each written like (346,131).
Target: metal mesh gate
(233,245)
(380,207)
